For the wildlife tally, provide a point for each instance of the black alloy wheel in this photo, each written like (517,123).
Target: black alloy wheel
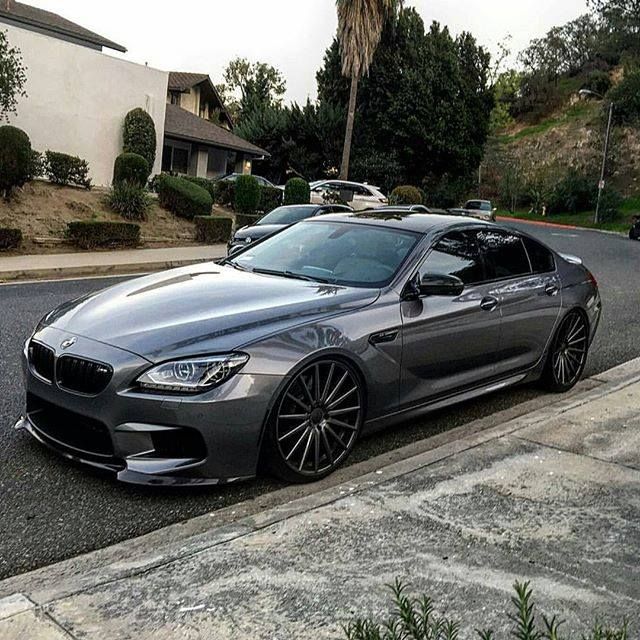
(316,422)
(568,354)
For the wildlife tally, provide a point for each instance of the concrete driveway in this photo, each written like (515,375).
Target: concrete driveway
(552,496)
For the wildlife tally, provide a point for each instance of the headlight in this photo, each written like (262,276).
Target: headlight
(193,375)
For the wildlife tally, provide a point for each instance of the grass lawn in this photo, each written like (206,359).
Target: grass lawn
(584,219)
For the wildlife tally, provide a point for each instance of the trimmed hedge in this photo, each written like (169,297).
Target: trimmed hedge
(64,169)
(297,191)
(129,199)
(224,193)
(205,183)
(132,168)
(244,220)
(10,238)
(90,234)
(247,196)
(405,195)
(139,135)
(184,198)
(16,159)
(270,199)
(213,229)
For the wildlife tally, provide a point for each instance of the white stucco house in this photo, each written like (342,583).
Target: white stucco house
(78,96)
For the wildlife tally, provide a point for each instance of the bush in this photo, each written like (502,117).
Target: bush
(205,183)
(446,191)
(406,195)
(64,169)
(598,81)
(243,220)
(90,234)
(10,238)
(270,199)
(575,192)
(154,183)
(132,168)
(139,135)
(626,97)
(213,229)
(224,193)
(15,159)
(36,165)
(129,199)
(297,191)
(184,198)
(247,196)
(417,619)
(610,205)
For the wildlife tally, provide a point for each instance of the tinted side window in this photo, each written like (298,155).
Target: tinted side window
(505,254)
(542,260)
(457,254)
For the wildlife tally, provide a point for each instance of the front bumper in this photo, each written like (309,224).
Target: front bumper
(144,438)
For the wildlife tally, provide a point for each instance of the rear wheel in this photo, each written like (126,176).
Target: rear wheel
(568,354)
(316,422)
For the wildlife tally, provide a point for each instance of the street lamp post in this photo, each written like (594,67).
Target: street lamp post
(601,184)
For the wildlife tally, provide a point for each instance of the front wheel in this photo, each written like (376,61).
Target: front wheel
(567,355)
(315,423)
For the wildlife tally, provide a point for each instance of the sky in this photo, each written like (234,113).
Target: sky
(292,35)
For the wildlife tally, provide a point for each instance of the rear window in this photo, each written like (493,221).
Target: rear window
(542,260)
(505,254)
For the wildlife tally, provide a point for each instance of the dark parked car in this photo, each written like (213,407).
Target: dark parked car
(286,353)
(634,232)
(414,208)
(279,219)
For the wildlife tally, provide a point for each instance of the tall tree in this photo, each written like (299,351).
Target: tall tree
(360,25)
(12,77)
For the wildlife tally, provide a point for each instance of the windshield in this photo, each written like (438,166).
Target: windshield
(288,215)
(478,206)
(346,254)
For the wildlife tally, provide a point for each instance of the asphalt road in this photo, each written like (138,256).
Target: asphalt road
(51,510)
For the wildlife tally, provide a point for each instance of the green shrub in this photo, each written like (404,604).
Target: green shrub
(36,165)
(575,192)
(132,168)
(626,97)
(446,191)
(297,191)
(129,199)
(205,183)
(154,183)
(213,229)
(598,81)
(15,159)
(405,195)
(90,234)
(416,618)
(10,238)
(224,193)
(64,169)
(139,135)
(184,198)
(270,199)
(610,205)
(247,195)
(244,220)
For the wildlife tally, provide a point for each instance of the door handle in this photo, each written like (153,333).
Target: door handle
(384,336)
(551,289)
(489,303)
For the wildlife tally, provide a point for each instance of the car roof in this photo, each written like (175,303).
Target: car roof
(405,220)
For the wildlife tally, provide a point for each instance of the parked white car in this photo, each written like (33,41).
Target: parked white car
(358,196)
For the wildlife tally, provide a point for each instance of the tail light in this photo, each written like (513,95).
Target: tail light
(591,278)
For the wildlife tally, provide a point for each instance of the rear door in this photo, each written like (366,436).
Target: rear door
(528,288)
(450,343)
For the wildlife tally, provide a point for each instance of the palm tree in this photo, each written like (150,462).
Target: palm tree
(360,24)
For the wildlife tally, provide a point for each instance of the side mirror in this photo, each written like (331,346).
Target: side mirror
(441,285)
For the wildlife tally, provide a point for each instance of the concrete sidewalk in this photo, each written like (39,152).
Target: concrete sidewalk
(552,496)
(104,263)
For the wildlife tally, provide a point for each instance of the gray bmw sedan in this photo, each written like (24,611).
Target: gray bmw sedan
(281,356)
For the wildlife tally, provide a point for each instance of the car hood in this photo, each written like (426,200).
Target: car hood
(200,309)
(257,231)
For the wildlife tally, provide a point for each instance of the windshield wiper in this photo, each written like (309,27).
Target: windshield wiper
(235,265)
(289,274)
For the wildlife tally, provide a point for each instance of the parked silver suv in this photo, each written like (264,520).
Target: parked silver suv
(482,209)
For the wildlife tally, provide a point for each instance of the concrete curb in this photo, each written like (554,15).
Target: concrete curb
(556,225)
(178,542)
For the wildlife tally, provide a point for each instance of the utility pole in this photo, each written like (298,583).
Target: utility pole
(601,185)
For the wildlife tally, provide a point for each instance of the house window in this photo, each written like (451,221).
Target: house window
(176,97)
(175,158)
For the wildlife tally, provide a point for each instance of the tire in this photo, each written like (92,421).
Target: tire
(567,354)
(315,422)
(634,234)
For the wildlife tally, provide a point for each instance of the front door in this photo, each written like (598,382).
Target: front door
(450,343)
